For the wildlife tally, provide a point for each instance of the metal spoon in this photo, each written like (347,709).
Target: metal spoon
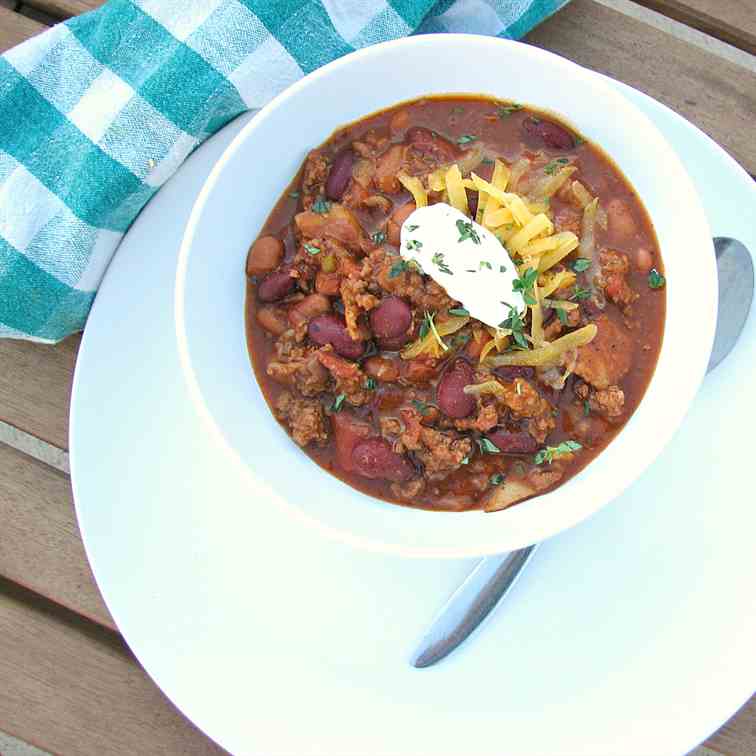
(488,583)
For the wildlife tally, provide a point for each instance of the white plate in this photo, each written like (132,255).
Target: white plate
(629,634)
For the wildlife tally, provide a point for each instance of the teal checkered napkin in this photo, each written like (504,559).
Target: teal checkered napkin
(97,113)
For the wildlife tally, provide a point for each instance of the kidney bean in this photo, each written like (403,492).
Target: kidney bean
(264,255)
(310,307)
(549,133)
(424,140)
(275,286)
(472,202)
(273,319)
(451,398)
(394,225)
(510,372)
(394,344)
(374,458)
(331,329)
(341,172)
(348,431)
(391,318)
(381,368)
(513,443)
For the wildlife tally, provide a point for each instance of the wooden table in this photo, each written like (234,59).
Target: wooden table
(68,682)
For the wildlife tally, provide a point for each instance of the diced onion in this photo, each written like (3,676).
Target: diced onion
(581,194)
(550,185)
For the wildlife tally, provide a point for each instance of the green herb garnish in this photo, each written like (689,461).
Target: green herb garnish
(487,446)
(580,294)
(457,109)
(502,268)
(460,312)
(422,407)
(548,453)
(337,402)
(438,260)
(399,267)
(485,264)
(656,280)
(466,139)
(321,206)
(487,161)
(586,408)
(580,265)
(311,249)
(413,227)
(525,283)
(371,383)
(562,315)
(414,244)
(459,340)
(465,461)
(466,231)
(378,237)
(506,110)
(514,323)
(429,325)
(552,167)
(497,479)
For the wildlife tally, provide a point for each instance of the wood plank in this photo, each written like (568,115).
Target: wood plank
(70,687)
(715,94)
(732,21)
(64,8)
(738,736)
(35,387)
(15,28)
(40,546)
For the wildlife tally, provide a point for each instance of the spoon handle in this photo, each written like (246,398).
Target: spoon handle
(470,604)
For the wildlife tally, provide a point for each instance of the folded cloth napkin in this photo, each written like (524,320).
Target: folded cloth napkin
(97,113)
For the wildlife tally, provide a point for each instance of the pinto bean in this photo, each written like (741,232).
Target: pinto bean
(621,221)
(549,133)
(273,319)
(391,318)
(264,255)
(381,368)
(644,260)
(450,395)
(275,286)
(310,307)
(374,458)
(513,443)
(341,172)
(394,226)
(331,329)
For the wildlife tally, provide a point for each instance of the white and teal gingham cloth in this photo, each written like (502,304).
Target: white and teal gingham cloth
(97,113)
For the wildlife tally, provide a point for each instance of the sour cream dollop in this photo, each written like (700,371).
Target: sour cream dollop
(466,259)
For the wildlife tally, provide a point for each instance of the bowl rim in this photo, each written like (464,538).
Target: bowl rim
(546,529)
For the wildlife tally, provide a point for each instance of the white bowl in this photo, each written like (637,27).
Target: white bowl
(259,164)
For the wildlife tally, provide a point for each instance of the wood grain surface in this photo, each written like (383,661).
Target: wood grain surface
(72,688)
(35,387)
(732,21)
(716,95)
(64,8)
(15,28)
(40,546)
